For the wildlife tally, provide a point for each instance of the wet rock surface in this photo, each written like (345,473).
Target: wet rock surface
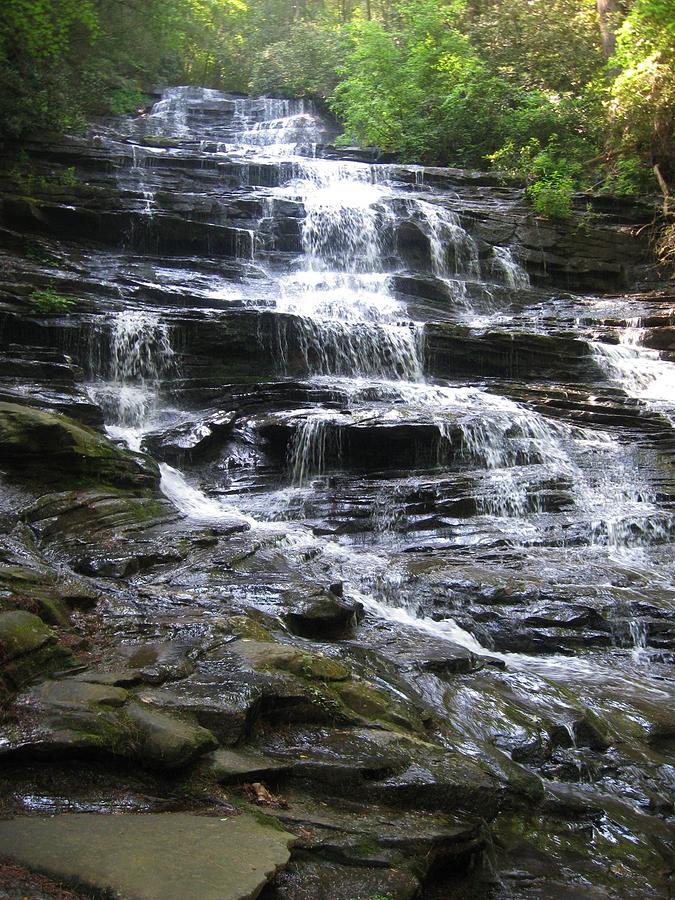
(328,511)
(152,857)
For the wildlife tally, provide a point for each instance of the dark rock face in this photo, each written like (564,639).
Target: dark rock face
(452,350)
(388,563)
(323,616)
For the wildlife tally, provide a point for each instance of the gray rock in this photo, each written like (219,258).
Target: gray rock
(20,633)
(172,856)
(329,881)
(324,616)
(233,766)
(28,651)
(165,741)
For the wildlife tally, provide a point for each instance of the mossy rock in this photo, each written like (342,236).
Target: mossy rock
(51,447)
(46,593)
(84,513)
(21,633)
(266,657)
(323,668)
(163,741)
(248,628)
(28,651)
(72,715)
(377,705)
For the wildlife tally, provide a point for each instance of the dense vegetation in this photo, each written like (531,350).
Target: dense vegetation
(566,93)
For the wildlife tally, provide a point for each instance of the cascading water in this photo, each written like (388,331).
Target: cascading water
(348,323)
(354,392)
(138,360)
(640,371)
(342,327)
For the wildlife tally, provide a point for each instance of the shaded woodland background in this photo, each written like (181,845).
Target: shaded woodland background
(568,94)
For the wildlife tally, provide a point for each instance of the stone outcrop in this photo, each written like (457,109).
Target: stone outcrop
(54,448)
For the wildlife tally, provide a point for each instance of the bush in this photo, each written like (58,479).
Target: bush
(629,177)
(551,196)
(49,302)
(127,100)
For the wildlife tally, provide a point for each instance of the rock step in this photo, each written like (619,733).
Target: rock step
(170,856)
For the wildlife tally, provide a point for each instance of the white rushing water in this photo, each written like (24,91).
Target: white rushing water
(139,358)
(640,371)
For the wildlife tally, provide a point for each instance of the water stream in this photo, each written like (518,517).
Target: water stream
(570,503)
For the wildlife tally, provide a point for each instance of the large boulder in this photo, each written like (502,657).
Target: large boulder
(170,856)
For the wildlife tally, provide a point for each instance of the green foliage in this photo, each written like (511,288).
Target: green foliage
(551,196)
(126,100)
(48,302)
(68,177)
(629,177)
(541,45)
(305,64)
(641,104)
(62,61)
(522,85)
(26,181)
(421,91)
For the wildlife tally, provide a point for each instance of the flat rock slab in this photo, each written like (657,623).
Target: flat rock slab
(169,856)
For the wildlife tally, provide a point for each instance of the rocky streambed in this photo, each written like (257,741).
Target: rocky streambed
(337,516)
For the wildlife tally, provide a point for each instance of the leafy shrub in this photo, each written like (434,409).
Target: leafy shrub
(551,196)
(48,302)
(125,100)
(629,177)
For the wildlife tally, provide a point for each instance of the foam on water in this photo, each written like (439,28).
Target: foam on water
(640,371)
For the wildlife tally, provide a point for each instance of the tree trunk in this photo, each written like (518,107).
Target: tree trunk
(608,13)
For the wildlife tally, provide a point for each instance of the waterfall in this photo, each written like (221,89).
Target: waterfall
(352,390)
(139,358)
(639,371)
(338,326)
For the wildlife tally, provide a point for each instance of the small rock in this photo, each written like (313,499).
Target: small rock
(70,694)
(235,766)
(372,703)
(325,616)
(284,658)
(330,881)
(159,662)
